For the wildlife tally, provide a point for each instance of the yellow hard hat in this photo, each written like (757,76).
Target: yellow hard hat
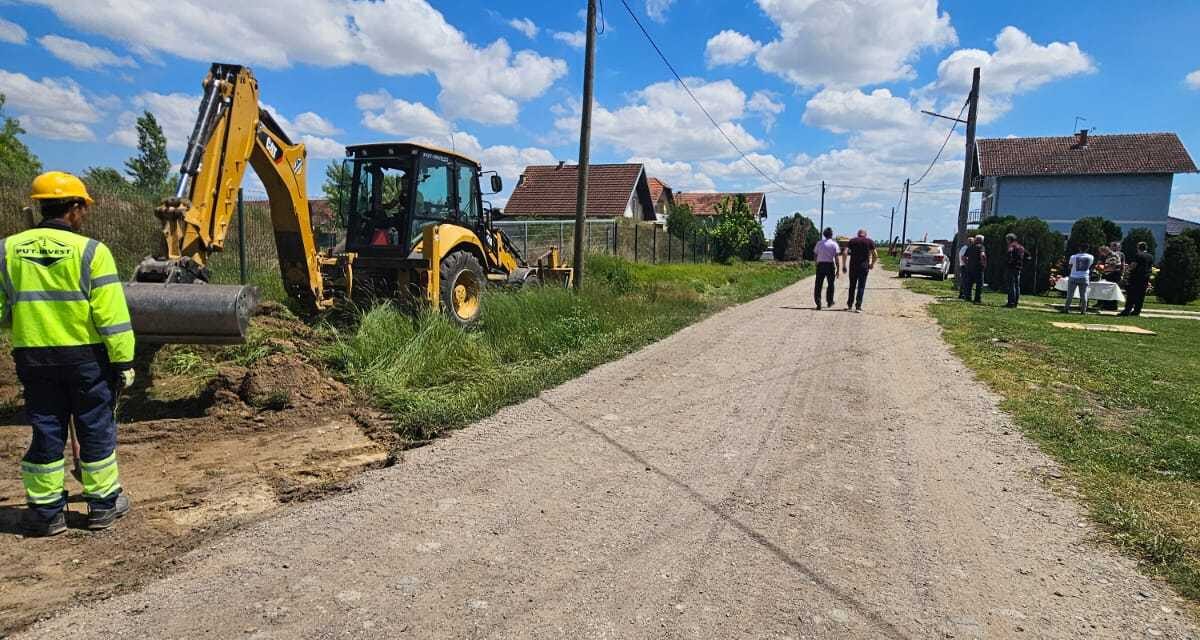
(54,185)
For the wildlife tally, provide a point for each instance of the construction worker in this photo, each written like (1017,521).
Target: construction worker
(73,347)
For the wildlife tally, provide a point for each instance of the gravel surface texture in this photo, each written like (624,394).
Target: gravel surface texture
(771,472)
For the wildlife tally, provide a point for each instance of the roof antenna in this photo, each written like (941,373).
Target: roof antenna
(452,147)
(1075,127)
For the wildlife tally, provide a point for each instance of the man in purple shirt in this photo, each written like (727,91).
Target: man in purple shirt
(828,264)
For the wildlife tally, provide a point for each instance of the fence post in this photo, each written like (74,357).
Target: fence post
(241,215)
(525,228)
(668,248)
(635,242)
(654,246)
(560,237)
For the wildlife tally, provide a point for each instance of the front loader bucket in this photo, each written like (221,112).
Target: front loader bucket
(190,313)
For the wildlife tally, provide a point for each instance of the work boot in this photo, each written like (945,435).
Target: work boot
(35,526)
(104,518)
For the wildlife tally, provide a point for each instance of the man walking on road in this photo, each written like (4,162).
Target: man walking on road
(1012,270)
(1139,278)
(828,265)
(73,347)
(860,256)
(1080,277)
(976,259)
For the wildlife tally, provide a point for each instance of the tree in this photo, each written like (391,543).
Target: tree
(736,232)
(1178,280)
(795,237)
(1043,246)
(16,160)
(681,222)
(1140,234)
(1111,230)
(151,167)
(337,187)
(104,179)
(1089,231)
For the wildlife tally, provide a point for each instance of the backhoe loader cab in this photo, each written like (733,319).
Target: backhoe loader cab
(417,227)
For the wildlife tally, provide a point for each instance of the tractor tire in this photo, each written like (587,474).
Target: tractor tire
(463,282)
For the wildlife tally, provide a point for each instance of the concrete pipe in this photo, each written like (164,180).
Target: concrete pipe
(190,313)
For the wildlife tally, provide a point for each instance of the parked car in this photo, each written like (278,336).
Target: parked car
(925,258)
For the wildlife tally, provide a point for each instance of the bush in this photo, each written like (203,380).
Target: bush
(734,232)
(1140,234)
(1089,231)
(787,231)
(1178,280)
(1110,229)
(1044,246)
(681,222)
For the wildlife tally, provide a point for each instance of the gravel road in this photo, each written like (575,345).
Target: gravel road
(771,472)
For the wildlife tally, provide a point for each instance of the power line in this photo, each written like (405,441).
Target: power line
(691,95)
(943,148)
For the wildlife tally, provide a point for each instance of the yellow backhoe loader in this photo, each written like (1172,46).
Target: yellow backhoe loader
(416,226)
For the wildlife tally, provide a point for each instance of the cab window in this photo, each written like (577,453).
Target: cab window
(432,204)
(468,187)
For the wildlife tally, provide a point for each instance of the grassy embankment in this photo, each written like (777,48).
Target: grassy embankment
(1121,413)
(432,376)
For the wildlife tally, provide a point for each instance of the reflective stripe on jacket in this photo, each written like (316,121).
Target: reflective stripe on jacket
(62,296)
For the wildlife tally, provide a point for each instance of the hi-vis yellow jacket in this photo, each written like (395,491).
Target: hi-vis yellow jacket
(62,296)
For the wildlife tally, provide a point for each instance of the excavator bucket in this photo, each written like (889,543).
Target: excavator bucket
(175,313)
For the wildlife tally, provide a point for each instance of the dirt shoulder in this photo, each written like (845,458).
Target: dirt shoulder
(769,472)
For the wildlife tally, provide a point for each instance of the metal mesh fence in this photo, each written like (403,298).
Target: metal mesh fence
(636,241)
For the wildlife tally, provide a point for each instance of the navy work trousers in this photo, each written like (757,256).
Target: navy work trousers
(55,394)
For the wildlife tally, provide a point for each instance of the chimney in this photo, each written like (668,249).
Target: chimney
(1081,139)
(561,163)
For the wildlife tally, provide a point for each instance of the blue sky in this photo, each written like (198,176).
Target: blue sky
(812,89)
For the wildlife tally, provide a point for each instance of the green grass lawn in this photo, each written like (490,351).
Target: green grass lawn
(1120,412)
(432,376)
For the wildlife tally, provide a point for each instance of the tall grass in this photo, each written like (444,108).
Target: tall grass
(432,376)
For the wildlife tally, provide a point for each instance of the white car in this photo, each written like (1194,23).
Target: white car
(925,258)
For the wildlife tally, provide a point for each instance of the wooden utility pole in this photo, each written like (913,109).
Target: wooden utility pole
(585,140)
(892,228)
(964,202)
(822,207)
(904,225)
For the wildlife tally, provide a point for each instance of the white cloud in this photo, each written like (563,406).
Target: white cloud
(311,123)
(525,26)
(393,116)
(83,55)
(657,9)
(662,121)
(851,42)
(764,104)
(321,148)
(1186,206)
(398,37)
(729,47)
(853,110)
(1018,65)
(575,39)
(680,176)
(176,113)
(57,129)
(1193,79)
(741,169)
(51,108)
(11,32)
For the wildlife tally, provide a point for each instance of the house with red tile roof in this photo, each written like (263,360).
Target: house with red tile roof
(1125,178)
(705,204)
(614,191)
(663,198)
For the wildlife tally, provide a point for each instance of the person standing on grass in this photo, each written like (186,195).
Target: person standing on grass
(860,256)
(829,260)
(1080,277)
(976,262)
(963,281)
(1139,279)
(1012,270)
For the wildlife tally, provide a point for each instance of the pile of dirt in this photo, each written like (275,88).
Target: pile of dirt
(274,383)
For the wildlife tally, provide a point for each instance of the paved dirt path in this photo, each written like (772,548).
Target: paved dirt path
(771,472)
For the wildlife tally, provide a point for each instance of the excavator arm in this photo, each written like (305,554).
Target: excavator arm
(232,130)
